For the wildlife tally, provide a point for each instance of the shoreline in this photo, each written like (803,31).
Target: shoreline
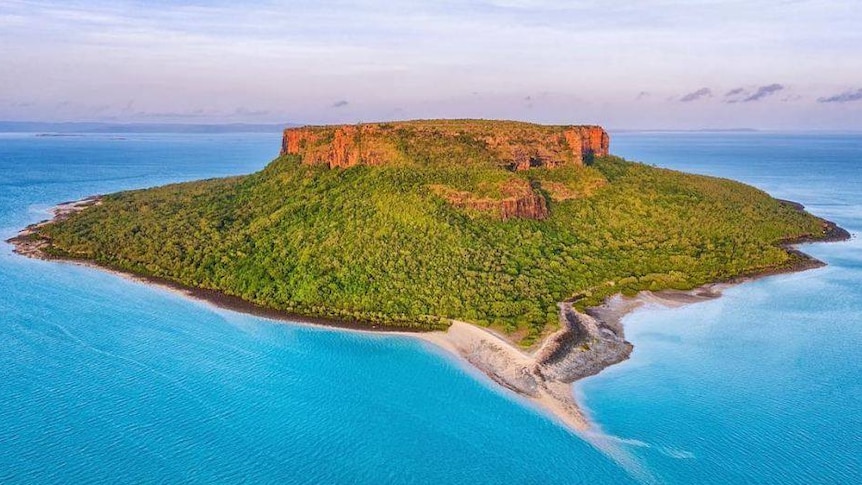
(586,343)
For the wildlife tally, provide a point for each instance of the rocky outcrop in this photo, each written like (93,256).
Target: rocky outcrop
(582,347)
(296,140)
(525,150)
(531,206)
(588,141)
(516,146)
(339,146)
(517,200)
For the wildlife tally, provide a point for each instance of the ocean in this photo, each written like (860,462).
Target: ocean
(103,379)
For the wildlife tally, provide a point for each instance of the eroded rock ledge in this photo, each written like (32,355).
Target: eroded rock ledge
(519,200)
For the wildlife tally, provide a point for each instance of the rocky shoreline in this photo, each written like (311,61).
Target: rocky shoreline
(582,347)
(27,244)
(586,343)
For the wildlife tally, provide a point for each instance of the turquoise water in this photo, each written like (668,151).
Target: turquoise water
(106,380)
(763,385)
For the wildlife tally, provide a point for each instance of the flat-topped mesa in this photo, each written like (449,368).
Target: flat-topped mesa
(507,146)
(513,145)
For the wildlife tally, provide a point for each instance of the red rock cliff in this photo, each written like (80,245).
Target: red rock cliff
(518,200)
(518,146)
(588,140)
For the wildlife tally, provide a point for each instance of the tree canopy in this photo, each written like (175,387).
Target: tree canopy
(379,245)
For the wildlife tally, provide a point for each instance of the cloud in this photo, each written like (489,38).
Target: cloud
(694,96)
(735,95)
(763,91)
(845,97)
(174,56)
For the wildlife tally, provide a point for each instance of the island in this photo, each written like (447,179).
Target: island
(515,246)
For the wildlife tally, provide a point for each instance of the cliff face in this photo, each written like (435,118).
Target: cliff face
(588,141)
(516,146)
(528,206)
(518,200)
(500,145)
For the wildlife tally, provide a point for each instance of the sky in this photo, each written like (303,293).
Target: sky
(649,64)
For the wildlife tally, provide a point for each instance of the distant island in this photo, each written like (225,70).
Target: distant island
(502,241)
(45,128)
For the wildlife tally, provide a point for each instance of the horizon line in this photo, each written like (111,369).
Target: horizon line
(95,127)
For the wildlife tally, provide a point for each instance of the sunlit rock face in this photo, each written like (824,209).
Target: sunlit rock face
(517,146)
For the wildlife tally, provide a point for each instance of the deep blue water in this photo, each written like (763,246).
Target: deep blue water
(106,380)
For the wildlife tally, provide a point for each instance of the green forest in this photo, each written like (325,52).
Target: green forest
(378,245)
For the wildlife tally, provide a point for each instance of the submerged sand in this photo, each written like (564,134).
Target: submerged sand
(532,376)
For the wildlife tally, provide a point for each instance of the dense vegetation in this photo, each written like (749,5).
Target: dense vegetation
(376,244)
